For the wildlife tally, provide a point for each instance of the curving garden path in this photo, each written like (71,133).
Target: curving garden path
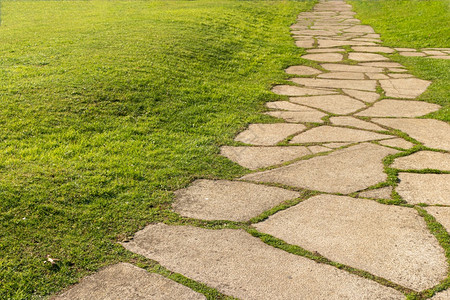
(346,196)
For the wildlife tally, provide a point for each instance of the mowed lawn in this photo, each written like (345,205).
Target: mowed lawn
(109,106)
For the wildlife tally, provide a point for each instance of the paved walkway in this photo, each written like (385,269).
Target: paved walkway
(327,222)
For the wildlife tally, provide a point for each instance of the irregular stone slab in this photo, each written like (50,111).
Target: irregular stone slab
(399,143)
(365,85)
(308,115)
(396,75)
(315,32)
(405,49)
(309,43)
(445,295)
(389,241)
(397,70)
(351,68)
(242,266)
(289,90)
(399,108)
(424,188)
(337,104)
(440,57)
(329,57)
(324,43)
(302,70)
(382,64)
(360,28)
(228,200)
(363,96)
(318,149)
(382,193)
(337,134)
(423,160)
(285,105)
(354,122)
(268,134)
(325,50)
(125,281)
(343,171)
(432,133)
(433,52)
(261,157)
(373,49)
(442,215)
(377,76)
(366,56)
(335,145)
(367,40)
(373,35)
(404,88)
(412,54)
(342,75)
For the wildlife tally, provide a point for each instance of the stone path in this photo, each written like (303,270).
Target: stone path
(341,228)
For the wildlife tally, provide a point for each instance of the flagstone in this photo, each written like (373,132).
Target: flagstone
(424,188)
(373,49)
(290,90)
(337,134)
(360,28)
(396,75)
(268,134)
(351,68)
(399,108)
(125,281)
(367,40)
(260,157)
(433,52)
(432,133)
(342,171)
(404,88)
(374,35)
(445,295)
(405,49)
(381,64)
(377,76)
(302,70)
(412,54)
(314,32)
(442,215)
(354,122)
(307,116)
(381,193)
(324,43)
(337,104)
(305,43)
(358,56)
(342,75)
(388,241)
(363,96)
(398,143)
(336,145)
(423,160)
(325,50)
(242,266)
(365,85)
(440,57)
(228,200)
(329,57)
(285,105)
(318,149)
(397,70)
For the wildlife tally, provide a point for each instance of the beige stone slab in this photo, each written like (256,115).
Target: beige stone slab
(381,64)
(404,88)
(343,171)
(360,28)
(389,241)
(337,104)
(398,143)
(242,266)
(399,108)
(260,157)
(352,34)
(337,134)
(325,50)
(424,188)
(445,295)
(373,49)
(354,122)
(351,68)
(366,40)
(268,134)
(377,76)
(440,56)
(363,96)
(423,160)
(432,133)
(318,149)
(442,215)
(285,105)
(405,49)
(396,75)
(412,54)
(315,32)
(359,56)
(305,43)
(433,52)
(335,145)
(307,116)
(365,85)
(342,75)
(397,70)
(228,200)
(324,57)
(325,43)
(290,90)
(302,70)
(125,281)
(373,35)
(381,193)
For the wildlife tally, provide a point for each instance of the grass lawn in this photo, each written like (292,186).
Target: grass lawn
(109,106)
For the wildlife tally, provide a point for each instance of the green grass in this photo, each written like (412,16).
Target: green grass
(109,106)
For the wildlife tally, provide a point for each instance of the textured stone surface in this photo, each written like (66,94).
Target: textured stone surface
(228,200)
(337,134)
(324,43)
(329,57)
(373,49)
(399,108)
(307,43)
(442,215)
(399,143)
(325,50)
(335,145)
(366,56)
(318,149)
(377,76)
(396,75)
(411,54)
(125,281)
(389,241)
(285,105)
(360,28)
(382,193)
(337,104)
(381,64)
(302,70)
(432,133)
(445,295)
(242,266)
(365,85)
(289,90)
(424,188)
(268,134)
(343,171)
(354,122)
(307,115)
(342,75)
(351,68)
(363,96)
(261,157)
(423,160)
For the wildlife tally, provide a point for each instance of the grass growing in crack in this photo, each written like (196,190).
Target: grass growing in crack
(108,106)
